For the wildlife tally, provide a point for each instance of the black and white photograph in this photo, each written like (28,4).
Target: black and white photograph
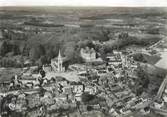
(83,58)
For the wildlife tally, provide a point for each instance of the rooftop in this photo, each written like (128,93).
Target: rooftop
(70,76)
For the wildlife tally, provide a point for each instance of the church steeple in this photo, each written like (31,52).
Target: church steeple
(59,56)
(60,62)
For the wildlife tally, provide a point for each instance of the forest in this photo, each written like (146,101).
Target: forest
(40,47)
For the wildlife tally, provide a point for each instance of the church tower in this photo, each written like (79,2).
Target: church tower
(60,62)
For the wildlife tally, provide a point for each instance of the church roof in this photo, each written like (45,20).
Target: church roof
(56,59)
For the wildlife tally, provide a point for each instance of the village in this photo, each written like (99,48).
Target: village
(94,86)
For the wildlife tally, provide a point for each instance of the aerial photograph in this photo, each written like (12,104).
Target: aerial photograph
(83,61)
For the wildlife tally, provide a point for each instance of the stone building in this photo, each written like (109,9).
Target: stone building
(89,55)
(57,63)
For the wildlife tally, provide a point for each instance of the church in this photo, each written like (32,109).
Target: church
(57,63)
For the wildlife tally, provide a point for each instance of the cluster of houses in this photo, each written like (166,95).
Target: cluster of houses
(53,90)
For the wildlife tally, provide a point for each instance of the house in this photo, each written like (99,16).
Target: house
(78,97)
(95,107)
(47,68)
(83,74)
(67,90)
(27,63)
(47,98)
(77,88)
(30,82)
(114,59)
(101,72)
(21,102)
(62,81)
(61,98)
(90,89)
(33,100)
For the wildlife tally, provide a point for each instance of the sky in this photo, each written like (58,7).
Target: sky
(124,3)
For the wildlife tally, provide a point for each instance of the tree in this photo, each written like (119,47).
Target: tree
(89,108)
(86,97)
(42,72)
(143,80)
(139,57)
(101,34)
(4,48)
(69,49)
(105,34)
(49,52)
(43,60)
(90,44)
(36,52)
(15,50)
(123,36)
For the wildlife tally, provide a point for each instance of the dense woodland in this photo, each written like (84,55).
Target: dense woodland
(40,48)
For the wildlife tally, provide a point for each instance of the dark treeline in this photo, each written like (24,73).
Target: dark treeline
(40,48)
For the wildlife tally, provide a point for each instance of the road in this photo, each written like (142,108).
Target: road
(162,88)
